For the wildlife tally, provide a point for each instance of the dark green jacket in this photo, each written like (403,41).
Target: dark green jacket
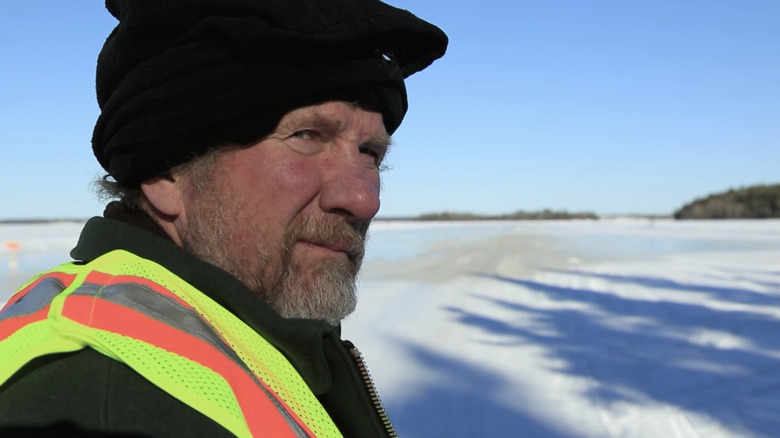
(87,394)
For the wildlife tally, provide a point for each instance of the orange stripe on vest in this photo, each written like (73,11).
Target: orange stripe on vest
(105,315)
(11,325)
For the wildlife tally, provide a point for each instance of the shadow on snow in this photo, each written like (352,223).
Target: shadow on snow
(674,353)
(734,295)
(459,403)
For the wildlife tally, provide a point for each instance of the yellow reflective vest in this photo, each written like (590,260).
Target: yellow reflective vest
(137,312)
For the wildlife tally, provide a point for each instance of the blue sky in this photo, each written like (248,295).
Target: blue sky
(609,106)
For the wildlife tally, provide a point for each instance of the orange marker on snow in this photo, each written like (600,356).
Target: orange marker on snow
(12,246)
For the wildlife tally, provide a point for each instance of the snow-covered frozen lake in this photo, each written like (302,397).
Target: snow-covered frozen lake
(611,328)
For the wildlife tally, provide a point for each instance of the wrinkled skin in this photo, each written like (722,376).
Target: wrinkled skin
(288,215)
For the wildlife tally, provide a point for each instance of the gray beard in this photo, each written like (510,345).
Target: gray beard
(327,291)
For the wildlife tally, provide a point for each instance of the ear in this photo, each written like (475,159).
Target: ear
(164,195)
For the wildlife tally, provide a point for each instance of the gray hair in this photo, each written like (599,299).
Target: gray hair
(197,171)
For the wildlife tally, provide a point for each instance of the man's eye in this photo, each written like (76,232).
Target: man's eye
(304,134)
(305,141)
(371,156)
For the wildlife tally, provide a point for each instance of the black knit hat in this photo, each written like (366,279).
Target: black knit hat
(177,77)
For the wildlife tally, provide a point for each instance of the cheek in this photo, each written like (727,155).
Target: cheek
(277,186)
(296,181)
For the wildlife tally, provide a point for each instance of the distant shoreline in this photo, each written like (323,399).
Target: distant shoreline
(422,218)
(41,221)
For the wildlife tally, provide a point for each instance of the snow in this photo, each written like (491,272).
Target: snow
(611,328)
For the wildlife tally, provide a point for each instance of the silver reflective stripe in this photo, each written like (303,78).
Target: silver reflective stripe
(164,309)
(170,312)
(35,299)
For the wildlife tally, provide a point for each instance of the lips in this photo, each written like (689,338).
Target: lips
(333,246)
(352,251)
(329,233)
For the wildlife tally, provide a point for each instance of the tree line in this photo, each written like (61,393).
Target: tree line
(518,215)
(756,202)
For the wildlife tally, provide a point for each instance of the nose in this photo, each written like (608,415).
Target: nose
(350,189)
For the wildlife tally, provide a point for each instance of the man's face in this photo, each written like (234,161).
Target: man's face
(288,215)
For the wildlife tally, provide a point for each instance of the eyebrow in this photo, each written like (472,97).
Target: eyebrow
(383,140)
(318,119)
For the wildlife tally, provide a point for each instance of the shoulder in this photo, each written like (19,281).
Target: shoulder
(86,391)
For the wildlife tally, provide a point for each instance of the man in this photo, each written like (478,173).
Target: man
(244,139)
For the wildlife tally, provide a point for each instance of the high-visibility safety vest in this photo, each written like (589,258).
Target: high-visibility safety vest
(137,312)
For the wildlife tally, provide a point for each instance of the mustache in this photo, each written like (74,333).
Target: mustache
(331,232)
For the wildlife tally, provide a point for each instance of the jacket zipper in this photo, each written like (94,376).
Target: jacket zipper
(372,392)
